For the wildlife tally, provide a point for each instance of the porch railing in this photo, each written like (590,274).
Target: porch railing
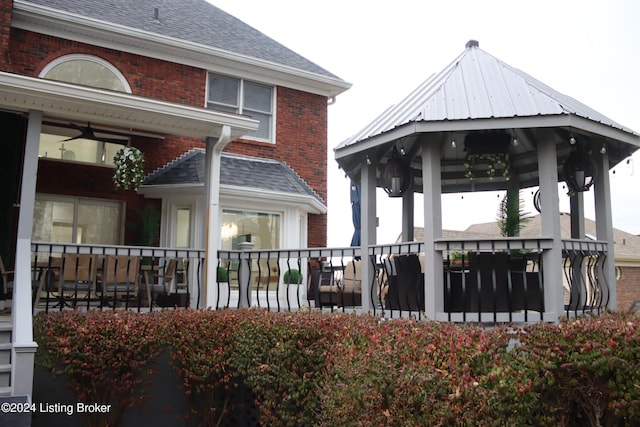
(483,280)
(114,277)
(586,288)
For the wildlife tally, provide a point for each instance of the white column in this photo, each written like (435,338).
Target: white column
(432,191)
(604,221)
(212,196)
(368,230)
(23,345)
(550,218)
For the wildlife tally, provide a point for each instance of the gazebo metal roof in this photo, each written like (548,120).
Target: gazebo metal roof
(475,93)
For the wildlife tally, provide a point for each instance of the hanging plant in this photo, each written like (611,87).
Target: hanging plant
(494,161)
(129,171)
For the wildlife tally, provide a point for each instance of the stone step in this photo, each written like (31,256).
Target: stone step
(5,391)
(5,331)
(5,353)
(5,376)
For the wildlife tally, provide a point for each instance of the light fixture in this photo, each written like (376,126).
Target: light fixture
(572,140)
(396,176)
(515,141)
(453,143)
(368,160)
(603,149)
(402,153)
(579,170)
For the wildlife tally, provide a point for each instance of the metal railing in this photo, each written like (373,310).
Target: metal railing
(81,276)
(483,280)
(585,284)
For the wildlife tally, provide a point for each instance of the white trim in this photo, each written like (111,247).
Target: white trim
(86,104)
(90,58)
(46,20)
(306,203)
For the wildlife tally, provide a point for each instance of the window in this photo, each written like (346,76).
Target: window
(86,70)
(243,97)
(75,220)
(262,229)
(183,227)
(54,146)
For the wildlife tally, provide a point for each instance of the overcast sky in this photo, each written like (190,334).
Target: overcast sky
(589,50)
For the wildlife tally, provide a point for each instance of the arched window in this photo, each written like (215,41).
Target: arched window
(86,70)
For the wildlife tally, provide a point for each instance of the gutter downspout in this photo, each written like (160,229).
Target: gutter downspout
(213,156)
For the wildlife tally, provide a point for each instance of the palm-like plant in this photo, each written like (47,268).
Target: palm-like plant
(511,215)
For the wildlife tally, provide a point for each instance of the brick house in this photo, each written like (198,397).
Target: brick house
(81,79)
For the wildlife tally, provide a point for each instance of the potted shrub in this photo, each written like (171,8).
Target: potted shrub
(222,279)
(293,279)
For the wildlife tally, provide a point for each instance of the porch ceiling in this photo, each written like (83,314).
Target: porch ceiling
(58,100)
(475,93)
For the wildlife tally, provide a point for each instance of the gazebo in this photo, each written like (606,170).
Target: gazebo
(481,125)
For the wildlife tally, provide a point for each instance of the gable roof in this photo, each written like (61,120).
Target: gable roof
(237,171)
(197,23)
(475,86)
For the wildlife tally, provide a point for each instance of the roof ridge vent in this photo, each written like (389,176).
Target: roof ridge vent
(472,43)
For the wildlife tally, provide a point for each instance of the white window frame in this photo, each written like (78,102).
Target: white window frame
(240,106)
(90,58)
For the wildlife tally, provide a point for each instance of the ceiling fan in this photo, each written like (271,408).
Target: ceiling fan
(87,133)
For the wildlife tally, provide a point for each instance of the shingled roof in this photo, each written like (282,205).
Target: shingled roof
(195,21)
(236,170)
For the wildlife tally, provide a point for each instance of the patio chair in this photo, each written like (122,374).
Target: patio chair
(162,288)
(7,280)
(345,293)
(406,289)
(120,277)
(77,274)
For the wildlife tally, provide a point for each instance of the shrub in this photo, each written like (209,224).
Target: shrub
(406,373)
(201,345)
(281,356)
(102,354)
(587,371)
(292,277)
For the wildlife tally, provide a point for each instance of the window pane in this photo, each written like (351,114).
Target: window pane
(53,221)
(263,229)
(223,90)
(183,227)
(264,129)
(80,150)
(98,223)
(257,97)
(85,72)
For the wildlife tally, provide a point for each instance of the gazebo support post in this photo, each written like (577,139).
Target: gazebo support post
(368,231)
(576,202)
(604,222)
(551,258)
(432,190)
(408,202)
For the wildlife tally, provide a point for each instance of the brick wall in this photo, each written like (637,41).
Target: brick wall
(6,7)
(301,139)
(628,287)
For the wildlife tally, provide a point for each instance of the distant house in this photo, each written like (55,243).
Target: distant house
(626,249)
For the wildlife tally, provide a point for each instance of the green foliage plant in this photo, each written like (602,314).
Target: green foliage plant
(292,277)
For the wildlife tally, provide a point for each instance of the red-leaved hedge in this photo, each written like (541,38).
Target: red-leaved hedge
(347,370)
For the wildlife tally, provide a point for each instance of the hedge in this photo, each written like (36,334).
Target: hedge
(347,370)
